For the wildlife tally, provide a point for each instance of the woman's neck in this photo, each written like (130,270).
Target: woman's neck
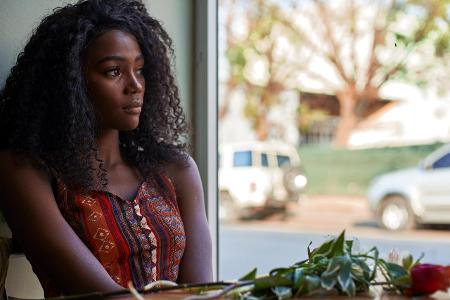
(108,144)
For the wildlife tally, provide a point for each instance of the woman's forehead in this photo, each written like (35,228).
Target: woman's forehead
(113,43)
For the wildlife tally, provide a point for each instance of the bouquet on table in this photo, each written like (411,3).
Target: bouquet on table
(333,267)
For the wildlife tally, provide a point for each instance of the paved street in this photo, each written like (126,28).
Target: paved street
(331,214)
(278,241)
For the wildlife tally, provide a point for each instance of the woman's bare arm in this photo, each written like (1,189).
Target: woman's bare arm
(29,206)
(196,265)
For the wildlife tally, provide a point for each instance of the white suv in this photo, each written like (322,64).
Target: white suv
(257,175)
(420,194)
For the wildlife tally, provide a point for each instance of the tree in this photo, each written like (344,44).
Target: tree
(349,48)
(253,64)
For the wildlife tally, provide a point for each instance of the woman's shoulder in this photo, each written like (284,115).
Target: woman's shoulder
(186,181)
(12,162)
(181,172)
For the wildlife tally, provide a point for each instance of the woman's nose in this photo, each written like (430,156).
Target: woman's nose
(135,84)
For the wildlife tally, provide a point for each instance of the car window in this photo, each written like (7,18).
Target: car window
(443,162)
(242,159)
(264,160)
(283,160)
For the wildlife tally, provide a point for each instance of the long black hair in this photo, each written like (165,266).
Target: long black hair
(45,111)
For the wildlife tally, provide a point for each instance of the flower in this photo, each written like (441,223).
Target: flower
(428,278)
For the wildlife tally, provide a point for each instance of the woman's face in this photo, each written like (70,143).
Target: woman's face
(113,66)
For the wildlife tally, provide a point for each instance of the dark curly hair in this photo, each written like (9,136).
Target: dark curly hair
(45,112)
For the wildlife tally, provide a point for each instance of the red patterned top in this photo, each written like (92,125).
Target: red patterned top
(140,241)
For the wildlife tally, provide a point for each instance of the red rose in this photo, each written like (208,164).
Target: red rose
(428,278)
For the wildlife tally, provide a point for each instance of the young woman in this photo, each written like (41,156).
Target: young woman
(95,182)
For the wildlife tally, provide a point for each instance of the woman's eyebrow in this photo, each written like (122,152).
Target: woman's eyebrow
(117,57)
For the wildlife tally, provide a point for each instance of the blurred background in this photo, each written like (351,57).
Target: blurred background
(332,115)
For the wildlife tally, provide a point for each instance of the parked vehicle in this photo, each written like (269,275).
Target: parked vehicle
(258,175)
(419,195)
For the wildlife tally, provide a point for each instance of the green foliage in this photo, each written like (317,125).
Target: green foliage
(249,276)
(333,266)
(349,172)
(442,45)
(307,117)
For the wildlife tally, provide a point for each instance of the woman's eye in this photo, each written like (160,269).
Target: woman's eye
(113,72)
(140,71)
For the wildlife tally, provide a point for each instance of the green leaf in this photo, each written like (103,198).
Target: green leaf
(328,281)
(329,276)
(407,261)
(330,248)
(366,272)
(322,250)
(312,282)
(394,271)
(309,250)
(402,282)
(286,272)
(249,276)
(337,247)
(350,289)
(301,263)
(253,297)
(344,277)
(307,284)
(271,281)
(348,246)
(282,292)
(299,274)
(418,260)
(375,262)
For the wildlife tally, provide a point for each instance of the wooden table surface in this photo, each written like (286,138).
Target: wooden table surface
(180,296)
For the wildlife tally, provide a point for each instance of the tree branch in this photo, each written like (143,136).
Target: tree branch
(335,48)
(377,39)
(353,40)
(314,49)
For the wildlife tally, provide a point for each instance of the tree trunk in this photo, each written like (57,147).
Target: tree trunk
(262,127)
(262,124)
(347,119)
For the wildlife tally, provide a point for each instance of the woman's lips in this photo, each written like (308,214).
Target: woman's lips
(133,110)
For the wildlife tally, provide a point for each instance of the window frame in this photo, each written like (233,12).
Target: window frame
(205,112)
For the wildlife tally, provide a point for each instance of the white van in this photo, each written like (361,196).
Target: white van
(256,175)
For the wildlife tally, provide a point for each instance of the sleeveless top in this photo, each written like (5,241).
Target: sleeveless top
(141,241)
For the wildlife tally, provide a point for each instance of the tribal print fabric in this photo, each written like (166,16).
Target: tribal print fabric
(139,241)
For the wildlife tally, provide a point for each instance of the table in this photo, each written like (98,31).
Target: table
(180,296)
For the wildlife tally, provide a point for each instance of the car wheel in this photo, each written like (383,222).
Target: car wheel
(228,211)
(396,214)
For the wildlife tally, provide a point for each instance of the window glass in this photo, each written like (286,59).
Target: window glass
(443,162)
(242,159)
(283,160)
(358,143)
(264,160)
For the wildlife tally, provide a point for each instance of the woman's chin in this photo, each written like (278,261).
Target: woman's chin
(129,126)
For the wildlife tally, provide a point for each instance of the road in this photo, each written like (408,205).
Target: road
(277,241)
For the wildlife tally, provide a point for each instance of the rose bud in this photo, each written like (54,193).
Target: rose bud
(428,278)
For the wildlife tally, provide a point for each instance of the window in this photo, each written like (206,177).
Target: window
(344,170)
(264,160)
(242,159)
(443,162)
(283,160)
